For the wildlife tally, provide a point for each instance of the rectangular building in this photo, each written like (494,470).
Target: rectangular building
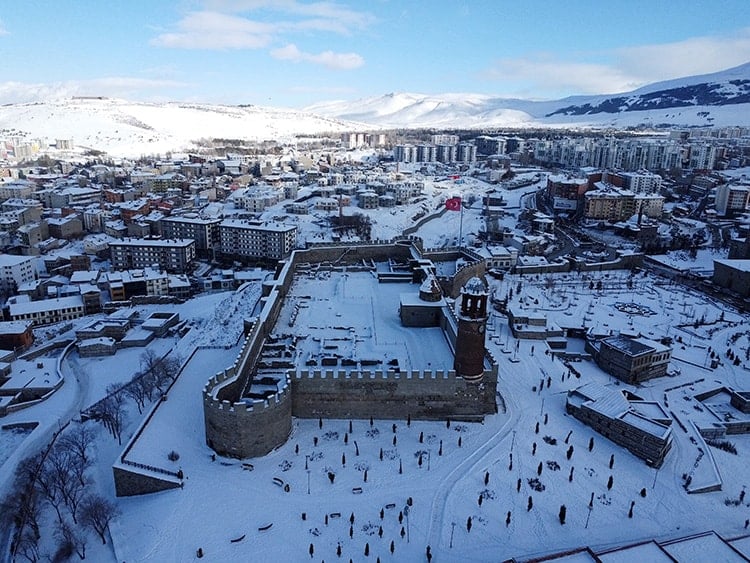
(246,239)
(171,255)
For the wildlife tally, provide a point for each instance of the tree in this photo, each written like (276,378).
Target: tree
(71,539)
(562,513)
(96,513)
(78,439)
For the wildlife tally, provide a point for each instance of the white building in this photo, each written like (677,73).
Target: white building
(16,270)
(47,311)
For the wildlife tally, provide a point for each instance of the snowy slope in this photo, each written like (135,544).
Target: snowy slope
(127,128)
(721,98)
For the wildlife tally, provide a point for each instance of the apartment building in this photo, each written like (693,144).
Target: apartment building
(171,255)
(247,239)
(48,311)
(15,271)
(204,231)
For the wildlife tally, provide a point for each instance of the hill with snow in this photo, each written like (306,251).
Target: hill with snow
(721,98)
(126,128)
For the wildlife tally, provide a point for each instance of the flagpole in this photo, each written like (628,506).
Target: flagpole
(461,226)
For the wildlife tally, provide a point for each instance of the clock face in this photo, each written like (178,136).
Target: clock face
(481,329)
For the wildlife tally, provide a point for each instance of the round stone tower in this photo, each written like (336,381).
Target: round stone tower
(472,318)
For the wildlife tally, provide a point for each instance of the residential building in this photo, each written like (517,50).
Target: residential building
(48,311)
(632,360)
(15,271)
(171,255)
(204,231)
(243,239)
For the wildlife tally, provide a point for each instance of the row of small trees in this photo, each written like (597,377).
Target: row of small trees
(156,374)
(56,478)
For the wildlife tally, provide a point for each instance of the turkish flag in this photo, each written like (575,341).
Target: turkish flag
(453,204)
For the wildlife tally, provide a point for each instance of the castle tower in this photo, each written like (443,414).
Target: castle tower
(472,318)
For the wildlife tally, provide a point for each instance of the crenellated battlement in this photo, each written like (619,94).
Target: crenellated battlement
(242,427)
(247,405)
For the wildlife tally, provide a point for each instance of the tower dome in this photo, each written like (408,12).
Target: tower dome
(475,286)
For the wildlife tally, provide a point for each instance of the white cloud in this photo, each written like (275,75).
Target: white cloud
(544,74)
(338,61)
(326,16)
(696,55)
(3,29)
(626,68)
(227,24)
(114,86)
(213,30)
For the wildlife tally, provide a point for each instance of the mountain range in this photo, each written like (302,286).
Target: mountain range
(127,128)
(721,98)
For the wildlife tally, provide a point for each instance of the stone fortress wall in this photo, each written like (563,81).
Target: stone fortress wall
(242,428)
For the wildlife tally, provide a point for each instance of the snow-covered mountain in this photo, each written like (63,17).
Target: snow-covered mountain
(721,98)
(126,128)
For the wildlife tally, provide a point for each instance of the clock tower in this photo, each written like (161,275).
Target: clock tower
(472,318)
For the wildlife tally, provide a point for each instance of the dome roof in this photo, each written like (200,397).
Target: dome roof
(474,286)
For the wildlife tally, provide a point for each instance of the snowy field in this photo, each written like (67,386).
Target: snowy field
(481,473)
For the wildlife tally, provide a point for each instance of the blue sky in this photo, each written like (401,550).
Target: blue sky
(294,53)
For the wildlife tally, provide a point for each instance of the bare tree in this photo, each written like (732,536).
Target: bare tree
(71,538)
(111,412)
(48,484)
(96,513)
(78,439)
(66,472)
(140,390)
(27,546)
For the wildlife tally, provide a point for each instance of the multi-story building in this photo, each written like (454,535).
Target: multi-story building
(565,193)
(613,204)
(47,311)
(246,239)
(466,152)
(732,199)
(642,182)
(256,199)
(15,271)
(204,231)
(65,227)
(171,255)
(19,189)
(490,145)
(632,360)
(124,285)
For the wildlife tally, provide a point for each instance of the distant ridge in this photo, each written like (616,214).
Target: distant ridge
(720,98)
(124,128)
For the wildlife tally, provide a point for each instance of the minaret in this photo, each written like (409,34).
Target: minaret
(472,317)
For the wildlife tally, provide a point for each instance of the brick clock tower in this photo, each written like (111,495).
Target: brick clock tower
(472,318)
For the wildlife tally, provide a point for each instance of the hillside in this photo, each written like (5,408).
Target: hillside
(127,128)
(721,98)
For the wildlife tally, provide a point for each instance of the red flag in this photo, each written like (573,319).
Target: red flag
(453,204)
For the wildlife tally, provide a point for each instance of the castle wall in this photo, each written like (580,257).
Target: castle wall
(244,428)
(131,483)
(420,394)
(248,429)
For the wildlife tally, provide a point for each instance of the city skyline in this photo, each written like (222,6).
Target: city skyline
(292,54)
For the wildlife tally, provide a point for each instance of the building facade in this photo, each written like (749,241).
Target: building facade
(171,255)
